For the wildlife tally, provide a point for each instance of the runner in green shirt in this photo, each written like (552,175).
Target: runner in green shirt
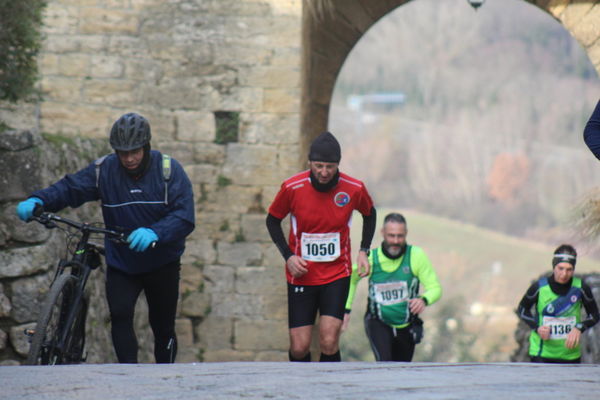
(391,322)
(556,302)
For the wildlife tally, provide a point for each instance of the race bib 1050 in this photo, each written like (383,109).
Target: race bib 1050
(320,247)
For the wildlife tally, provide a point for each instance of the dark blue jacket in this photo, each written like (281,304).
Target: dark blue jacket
(129,204)
(591,133)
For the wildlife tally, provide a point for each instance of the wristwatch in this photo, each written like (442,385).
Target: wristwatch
(366,250)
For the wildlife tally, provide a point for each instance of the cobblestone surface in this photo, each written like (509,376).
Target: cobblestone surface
(272,380)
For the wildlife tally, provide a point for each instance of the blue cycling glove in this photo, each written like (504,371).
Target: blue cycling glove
(25,208)
(141,239)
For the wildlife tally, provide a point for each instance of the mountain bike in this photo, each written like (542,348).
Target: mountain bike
(59,334)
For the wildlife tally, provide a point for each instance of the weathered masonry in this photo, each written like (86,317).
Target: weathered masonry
(234,89)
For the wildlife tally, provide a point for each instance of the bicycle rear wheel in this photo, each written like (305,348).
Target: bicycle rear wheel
(45,347)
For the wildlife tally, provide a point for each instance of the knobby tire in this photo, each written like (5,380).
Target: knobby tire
(51,324)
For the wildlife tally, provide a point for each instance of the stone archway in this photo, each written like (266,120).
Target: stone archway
(331,28)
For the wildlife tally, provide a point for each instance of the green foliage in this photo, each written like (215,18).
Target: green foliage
(224,226)
(223,181)
(239,237)
(20,42)
(58,139)
(227,126)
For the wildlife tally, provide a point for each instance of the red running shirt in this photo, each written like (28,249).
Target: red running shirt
(320,224)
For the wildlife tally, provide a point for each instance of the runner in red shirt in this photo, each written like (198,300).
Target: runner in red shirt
(320,202)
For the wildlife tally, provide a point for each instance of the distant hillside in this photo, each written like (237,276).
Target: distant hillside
(483,274)
(491,128)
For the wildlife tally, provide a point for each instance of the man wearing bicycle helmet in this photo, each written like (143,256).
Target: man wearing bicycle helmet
(320,202)
(149,195)
(552,309)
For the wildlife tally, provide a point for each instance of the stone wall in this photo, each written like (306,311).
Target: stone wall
(183,64)
(192,67)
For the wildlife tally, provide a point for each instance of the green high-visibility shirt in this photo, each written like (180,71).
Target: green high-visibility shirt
(392,282)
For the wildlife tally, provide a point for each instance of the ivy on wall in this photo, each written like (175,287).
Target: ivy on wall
(20,42)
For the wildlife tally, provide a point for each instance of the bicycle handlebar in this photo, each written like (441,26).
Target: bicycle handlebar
(47,219)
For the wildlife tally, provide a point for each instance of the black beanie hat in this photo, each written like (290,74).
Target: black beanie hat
(325,148)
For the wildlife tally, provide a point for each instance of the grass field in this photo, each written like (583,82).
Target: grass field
(483,274)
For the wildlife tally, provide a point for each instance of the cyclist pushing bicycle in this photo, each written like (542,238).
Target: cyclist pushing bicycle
(148,194)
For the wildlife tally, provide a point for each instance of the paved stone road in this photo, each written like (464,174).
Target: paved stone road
(272,380)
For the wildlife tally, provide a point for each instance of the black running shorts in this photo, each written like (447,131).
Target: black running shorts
(305,301)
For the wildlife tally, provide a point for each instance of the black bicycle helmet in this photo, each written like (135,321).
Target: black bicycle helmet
(131,131)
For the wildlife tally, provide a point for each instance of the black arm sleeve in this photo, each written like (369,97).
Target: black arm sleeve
(368,229)
(274,228)
(527,303)
(590,307)
(591,133)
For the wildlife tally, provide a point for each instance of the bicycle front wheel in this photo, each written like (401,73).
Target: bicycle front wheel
(46,348)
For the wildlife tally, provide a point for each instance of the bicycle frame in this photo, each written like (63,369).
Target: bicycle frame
(81,266)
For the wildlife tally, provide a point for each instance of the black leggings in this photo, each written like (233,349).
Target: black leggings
(161,288)
(388,343)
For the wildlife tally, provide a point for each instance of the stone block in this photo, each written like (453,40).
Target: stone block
(260,335)
(286,7)
(269,128)
(275,305)
(74,65)
(251,155)
(195,126)
(236,306)
(586,29)
(28,295)
(75,120)
(574,13)
(3,340)
(103,66)
(270,76)
(290,56)
(215,333)
(209,153)
(61,89)
(219,226)
(202,174)
(272,257)
(282,100)
(238,99)
(182,152)
(191,279)
(219,279)
(237,199)
(95,20)
(19,341)
(228,355)
(254,227)
(48,63)
(239,254)
(5,305)
(198,250)
(105,91)
(257,175)
(185,333)
(15,140)
(18,230)
(276,356)
(25,261)
(60,19)
(195,304)
(260,281)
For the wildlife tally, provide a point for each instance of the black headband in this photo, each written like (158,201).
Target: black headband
(561,257)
